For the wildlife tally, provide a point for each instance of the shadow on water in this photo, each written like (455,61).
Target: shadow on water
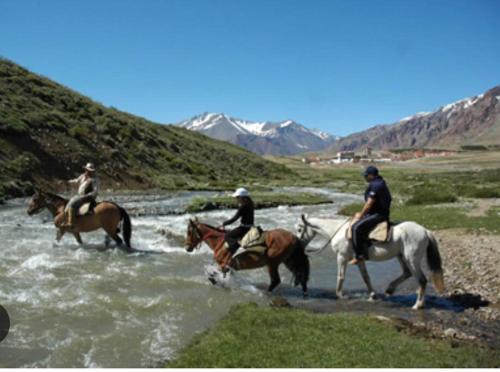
(358,300)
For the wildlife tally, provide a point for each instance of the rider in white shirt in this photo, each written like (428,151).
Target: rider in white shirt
(88,187)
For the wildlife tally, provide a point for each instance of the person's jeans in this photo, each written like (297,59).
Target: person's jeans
(361,230)
(77,201)
(234,235)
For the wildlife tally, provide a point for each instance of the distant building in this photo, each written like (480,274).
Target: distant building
(344,157)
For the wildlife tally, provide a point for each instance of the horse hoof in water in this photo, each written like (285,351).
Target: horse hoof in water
(305,295)
(418,307)
(388,293)
(372,297)
(212,280)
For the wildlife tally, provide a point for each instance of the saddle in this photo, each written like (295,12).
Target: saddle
(87,208)
(380,233)
(253,241)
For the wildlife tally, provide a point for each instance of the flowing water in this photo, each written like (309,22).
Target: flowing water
(77,306)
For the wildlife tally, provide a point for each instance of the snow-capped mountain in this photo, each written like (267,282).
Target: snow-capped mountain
(265,138)
(469,121)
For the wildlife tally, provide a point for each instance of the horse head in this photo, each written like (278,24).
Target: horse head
(193,235)
(37,202)
(301,226)
(305,229)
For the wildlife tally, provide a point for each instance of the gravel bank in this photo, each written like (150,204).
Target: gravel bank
(471,262)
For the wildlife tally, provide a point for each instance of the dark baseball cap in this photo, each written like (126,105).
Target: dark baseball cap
(370,170)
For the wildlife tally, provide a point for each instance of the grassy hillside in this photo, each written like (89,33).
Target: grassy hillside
(48,131)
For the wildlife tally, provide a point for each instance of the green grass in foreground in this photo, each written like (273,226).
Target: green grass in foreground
(438,217)
(261,200)
(251,336)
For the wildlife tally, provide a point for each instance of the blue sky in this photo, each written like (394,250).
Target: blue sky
(340,66)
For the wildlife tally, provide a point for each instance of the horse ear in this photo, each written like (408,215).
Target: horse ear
(196,220)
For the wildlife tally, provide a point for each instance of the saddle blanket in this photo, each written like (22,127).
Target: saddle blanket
(87,208)
(254,241)
(380,233)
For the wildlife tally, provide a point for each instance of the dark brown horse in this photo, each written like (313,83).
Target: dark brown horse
(282,246)
(106,215)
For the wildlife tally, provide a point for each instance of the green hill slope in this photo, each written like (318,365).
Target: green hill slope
(48,131)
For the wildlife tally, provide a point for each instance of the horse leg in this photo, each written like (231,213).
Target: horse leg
(59,234)
(400,279)
(366,279)
(112,231)
(341,267)
(107,240)
(422,282)
(117,239)
(274,275)
(78,238)
(119,243)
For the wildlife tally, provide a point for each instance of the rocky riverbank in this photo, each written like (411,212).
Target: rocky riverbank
(471,262)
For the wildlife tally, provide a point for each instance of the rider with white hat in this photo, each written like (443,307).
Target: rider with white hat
(245,213)
(88,187)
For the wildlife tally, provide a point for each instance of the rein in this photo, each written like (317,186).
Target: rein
(330,239)
(209,234)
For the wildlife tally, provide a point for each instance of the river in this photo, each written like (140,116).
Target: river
(74,306)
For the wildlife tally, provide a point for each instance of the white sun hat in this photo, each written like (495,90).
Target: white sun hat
(90,167)
(241,192)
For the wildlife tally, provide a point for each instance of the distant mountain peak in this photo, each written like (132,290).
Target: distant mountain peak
(263,137)
(468,121)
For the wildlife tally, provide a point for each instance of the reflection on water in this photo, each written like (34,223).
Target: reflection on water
(87,306)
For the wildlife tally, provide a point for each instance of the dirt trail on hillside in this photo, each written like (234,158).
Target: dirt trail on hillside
(481,207)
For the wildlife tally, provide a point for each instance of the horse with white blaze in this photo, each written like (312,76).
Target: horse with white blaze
(409,243)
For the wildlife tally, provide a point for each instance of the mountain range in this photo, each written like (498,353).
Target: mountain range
(470,121)
(264,138)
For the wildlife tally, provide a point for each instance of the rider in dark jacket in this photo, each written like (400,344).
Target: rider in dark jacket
(376,209)
(246,214)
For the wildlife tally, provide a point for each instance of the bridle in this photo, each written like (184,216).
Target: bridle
(201,238)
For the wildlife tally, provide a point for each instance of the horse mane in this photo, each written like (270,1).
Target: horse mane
(56,197)
(211,227)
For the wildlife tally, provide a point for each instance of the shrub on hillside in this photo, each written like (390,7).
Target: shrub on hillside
(431,196)
(470,191)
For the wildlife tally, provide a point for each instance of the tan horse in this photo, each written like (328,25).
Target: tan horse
(107,215)
(282,246)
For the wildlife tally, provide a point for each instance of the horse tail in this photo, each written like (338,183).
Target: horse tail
(434,262)
(298,264)
(127,226)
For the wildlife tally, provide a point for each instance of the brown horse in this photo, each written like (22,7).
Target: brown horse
(107,215)
(282,246)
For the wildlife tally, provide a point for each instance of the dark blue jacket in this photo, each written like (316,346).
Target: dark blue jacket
(378,190)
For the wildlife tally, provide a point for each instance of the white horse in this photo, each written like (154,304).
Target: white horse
(409,242)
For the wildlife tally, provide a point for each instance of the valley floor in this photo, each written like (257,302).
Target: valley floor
(251,336)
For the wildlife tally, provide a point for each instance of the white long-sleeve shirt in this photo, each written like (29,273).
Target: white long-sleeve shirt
(83,183)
